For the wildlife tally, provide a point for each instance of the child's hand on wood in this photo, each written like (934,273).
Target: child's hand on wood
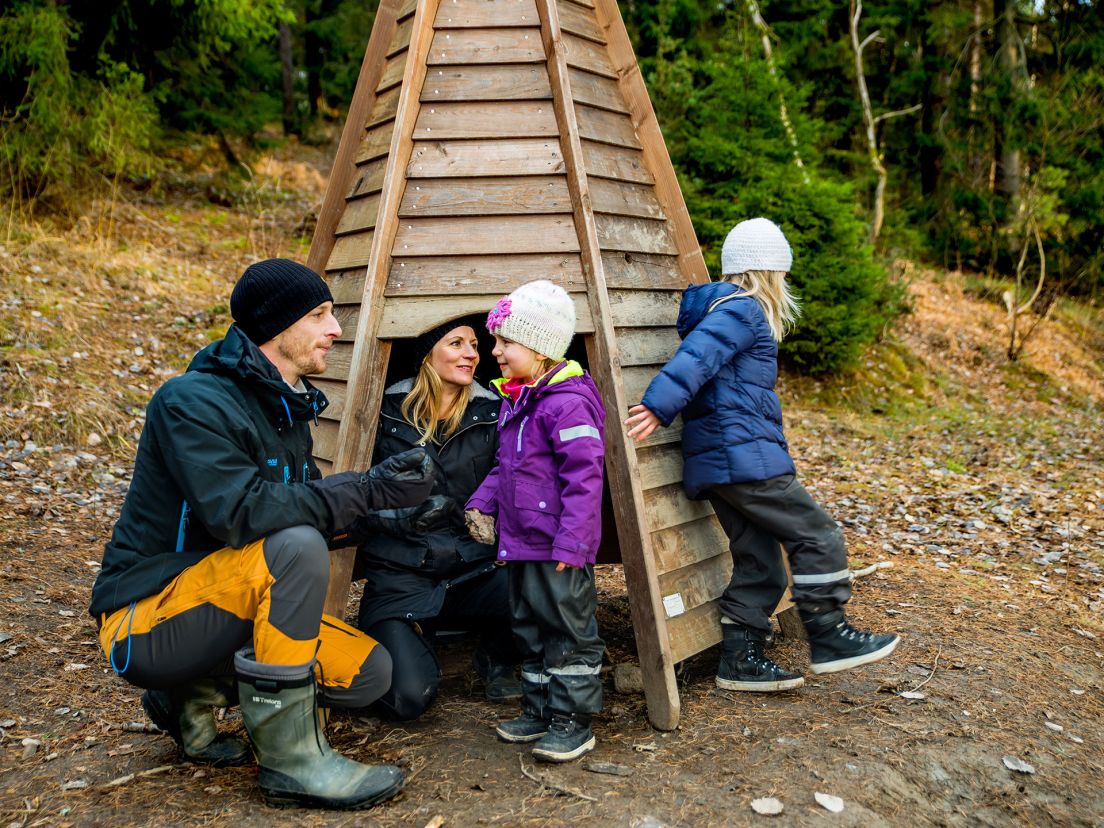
(480,526)
(642,422)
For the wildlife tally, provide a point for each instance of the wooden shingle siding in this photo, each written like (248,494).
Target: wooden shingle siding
(433,159)
(509,82)
(485,235)
(605,161)
(480,46)
(580,20)
(635,270)
(451,275)
(486,196)
(495,119)
(473,14)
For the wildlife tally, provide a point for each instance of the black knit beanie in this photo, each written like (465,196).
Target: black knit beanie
(273,295)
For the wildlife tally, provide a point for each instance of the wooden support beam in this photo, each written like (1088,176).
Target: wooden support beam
(659,678)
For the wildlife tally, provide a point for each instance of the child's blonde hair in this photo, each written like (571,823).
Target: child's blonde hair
(771,290)
(421,406)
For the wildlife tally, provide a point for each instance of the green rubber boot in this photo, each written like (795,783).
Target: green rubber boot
(186,714)
(298,766)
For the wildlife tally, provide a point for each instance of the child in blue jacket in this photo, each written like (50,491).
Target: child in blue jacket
(722,380)
(545,495)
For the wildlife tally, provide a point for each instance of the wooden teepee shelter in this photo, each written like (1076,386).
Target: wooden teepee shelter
(489,143)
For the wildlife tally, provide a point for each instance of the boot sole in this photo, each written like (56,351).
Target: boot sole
(514,739)
(854,661)
(761,686)
(550,756)
(280,799)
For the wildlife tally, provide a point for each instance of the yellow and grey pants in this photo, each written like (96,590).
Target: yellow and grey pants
(268,593)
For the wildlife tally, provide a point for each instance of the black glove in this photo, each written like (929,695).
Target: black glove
(437,512)
(402,480)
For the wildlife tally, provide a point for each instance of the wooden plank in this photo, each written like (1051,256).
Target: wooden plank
(644,308)
(634,235)
(325,438)
(326,467)
(588,55)
(470,14)
(587,3)
(579,21)
(347,286)
(511,82)
(338,361)
(688,543)
(661,436)
(656,157)
(401,37)
(636,379)
(467,46)
(492,119)
(360,214)
(407,8)
(335,391)
(657,465)
(595,90)
(699,583)
(486,196)
(392,71)
(624,199)
(368,178)
(537,156)
(376,143)
(606,127)
(479,235)
(669,506)
(406,316)
(647,346)
(385,107)
(348,317)
(453,275)
(606,161)
(636,270)
(694,631)
(344,176)
(351,251)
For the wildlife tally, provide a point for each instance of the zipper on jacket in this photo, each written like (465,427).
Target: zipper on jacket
(521,429)
(304,472)
(287,475)
(183,527)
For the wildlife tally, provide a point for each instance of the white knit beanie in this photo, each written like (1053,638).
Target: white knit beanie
(539,315)
(755,244)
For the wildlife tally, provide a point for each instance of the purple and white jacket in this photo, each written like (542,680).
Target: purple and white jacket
(545,492)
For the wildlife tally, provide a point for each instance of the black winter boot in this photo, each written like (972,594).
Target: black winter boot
(535,716)
(835,645)
(186,714)
(298,766)
(500,681)
(569,736)
(744,667)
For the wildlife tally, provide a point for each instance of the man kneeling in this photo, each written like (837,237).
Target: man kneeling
(213,582)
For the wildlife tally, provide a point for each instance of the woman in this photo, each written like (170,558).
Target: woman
(424,572)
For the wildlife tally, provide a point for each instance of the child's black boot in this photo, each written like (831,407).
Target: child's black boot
(835,645)
(535,716)
(744,667)
(569,737)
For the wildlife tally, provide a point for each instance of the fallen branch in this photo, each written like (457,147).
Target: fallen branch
(122,780)
(870,570)
(560,789)
(934,665)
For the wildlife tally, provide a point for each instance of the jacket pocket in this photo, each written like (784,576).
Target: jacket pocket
(539,511)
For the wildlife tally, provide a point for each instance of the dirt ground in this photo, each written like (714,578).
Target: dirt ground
(979,481)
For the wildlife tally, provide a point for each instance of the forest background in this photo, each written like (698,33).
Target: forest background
(962,133)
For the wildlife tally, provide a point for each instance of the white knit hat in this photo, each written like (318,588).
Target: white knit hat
(755,244)
(539,315)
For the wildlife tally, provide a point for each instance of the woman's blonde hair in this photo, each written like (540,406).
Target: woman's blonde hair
(421,406)
(770,289)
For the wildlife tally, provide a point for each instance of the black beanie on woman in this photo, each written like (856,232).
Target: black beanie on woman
(273,295)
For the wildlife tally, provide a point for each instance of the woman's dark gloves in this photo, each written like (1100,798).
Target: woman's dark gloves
(399,481)
(438,512)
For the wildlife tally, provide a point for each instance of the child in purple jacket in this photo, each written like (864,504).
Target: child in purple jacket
(544,496)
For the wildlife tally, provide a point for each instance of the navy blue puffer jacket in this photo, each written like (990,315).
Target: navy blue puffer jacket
(722,381)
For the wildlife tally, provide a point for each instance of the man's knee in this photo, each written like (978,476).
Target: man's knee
(299,549)
(368,685)
(410,696)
